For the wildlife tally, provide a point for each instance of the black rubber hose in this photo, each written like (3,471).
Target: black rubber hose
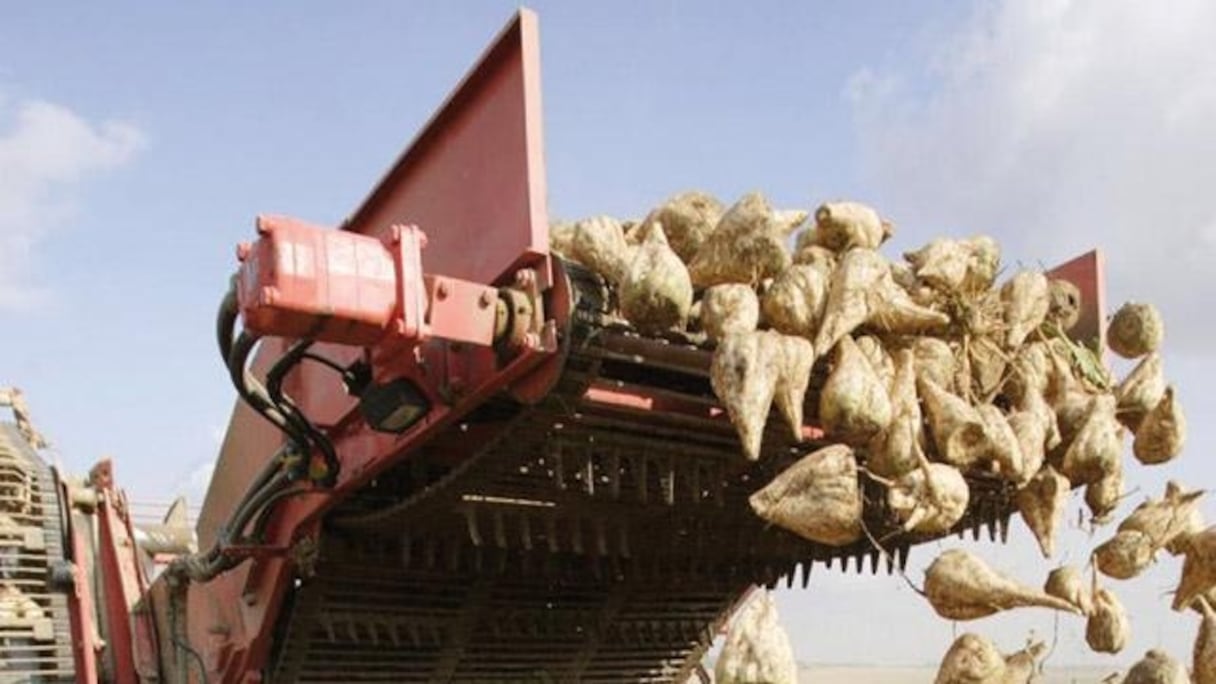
(225,323)
(274,384)
(236,354)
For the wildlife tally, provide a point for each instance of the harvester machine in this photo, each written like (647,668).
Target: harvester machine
(449,461)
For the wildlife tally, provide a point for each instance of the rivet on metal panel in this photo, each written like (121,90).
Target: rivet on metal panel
(441,289)
(486,299)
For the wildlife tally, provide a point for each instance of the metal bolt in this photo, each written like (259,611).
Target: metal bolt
(485,299)
(441,289)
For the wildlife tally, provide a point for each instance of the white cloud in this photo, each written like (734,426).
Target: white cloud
(46,150)
(1058,125)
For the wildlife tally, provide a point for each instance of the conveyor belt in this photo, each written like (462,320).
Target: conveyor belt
(574,540)
(35,637)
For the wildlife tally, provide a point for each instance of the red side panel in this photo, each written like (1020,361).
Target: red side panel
(473,181)
(460,181)
(1086,272)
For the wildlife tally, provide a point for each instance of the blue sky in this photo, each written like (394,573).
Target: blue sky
(137,144)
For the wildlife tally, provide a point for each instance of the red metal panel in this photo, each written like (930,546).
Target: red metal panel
(474,179)
(300,280)
(80,603)
(1087,273)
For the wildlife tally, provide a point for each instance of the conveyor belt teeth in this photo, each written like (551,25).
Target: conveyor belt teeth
(584,541)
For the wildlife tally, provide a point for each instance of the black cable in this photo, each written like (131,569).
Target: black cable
(263,519)
(198,659)
(235,354)
(175,627)
(274,383)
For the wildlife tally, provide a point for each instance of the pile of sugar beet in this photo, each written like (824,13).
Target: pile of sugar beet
(936,364)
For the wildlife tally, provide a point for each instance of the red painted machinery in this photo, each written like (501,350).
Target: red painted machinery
(448,463)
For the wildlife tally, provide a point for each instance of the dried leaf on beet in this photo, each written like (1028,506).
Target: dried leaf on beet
(1026,299)
(795,302)
(797,357)
(853,404)
(1042,503)
(744,375)
(960,586)
(656,293)
(1162,433)
(1107,628)
(687,219)
(817,498)
(840,226)
(747,246)
(729,309)
(1141,391)
(1135,330)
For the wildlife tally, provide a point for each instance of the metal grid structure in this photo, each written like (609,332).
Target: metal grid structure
(35,638)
